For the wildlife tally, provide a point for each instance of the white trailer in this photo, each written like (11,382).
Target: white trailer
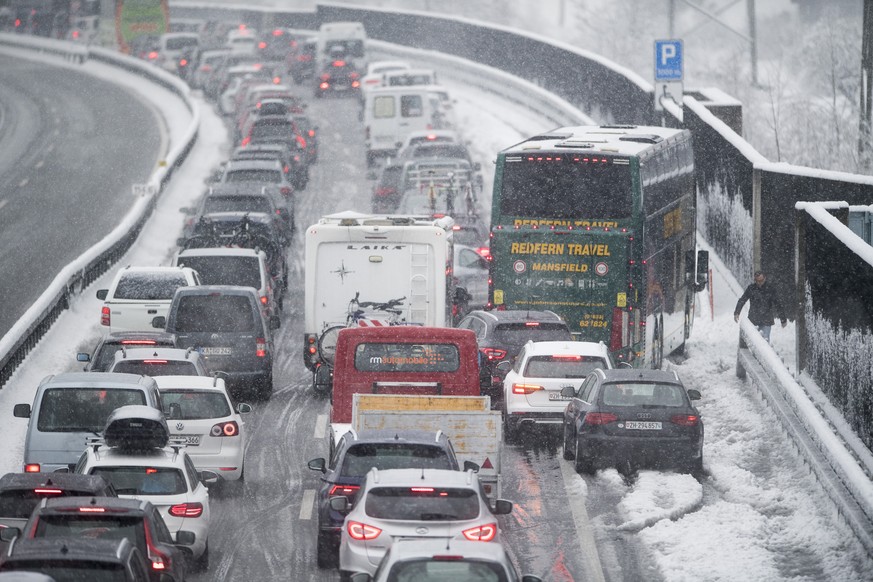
(474,429)
(363,269)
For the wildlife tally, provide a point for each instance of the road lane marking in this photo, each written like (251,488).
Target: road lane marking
(585,535)
(23,183)
(307,504)
(40,164)
(3,203)
(320,426)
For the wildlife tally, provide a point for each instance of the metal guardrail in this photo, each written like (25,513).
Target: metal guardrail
(76,276)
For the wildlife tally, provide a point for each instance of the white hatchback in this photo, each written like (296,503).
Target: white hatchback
(532,387)
(201,412)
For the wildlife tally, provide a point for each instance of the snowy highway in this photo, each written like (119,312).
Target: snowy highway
(757,514)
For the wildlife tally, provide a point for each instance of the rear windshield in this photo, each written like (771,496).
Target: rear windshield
(241,271)
(82,409)
(562,367)
(268,176)
(446,570)
(144,480)
(20,503)
(444,150)
(643,394)
(195,405)
(361,458)
(179,43)
(156,368)
(215,313)
(105,356)
(149,286)
(104,526)
(518,334)
(237,204)
(422,503)
(379,357)
(70,570)
(282,130)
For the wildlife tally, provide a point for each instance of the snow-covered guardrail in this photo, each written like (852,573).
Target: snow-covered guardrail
(76,276)
(841,463)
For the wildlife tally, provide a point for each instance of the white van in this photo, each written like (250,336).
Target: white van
(345,38)
(390,113)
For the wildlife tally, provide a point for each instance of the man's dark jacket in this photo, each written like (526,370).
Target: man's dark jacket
(764,304)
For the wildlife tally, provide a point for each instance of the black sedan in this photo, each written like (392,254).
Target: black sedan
(632,418)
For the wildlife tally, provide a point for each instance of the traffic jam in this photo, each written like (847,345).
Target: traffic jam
(424,379)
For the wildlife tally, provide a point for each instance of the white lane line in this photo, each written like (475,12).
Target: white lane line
(3,203)
(307,504)
(320,426)
(23,183)
(40,164)
(50,148)
(576,501)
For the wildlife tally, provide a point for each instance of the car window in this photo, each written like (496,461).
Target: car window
(584,392)
(360,458)
(406,357)
(266,176)
(570,366)
(149,286)
(411,106)
(82,409)
(237,204)
(227,270)
(193,476)
(422,503)
(156,368)
(431,570)
(104,526)
(518,334)
(160,527)
(471,260)
(196,404)
(383,107)
(643,394)
(224,313)
(143,480)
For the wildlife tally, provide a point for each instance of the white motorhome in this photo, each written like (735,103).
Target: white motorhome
(366,269)
(391,113)
(341,39)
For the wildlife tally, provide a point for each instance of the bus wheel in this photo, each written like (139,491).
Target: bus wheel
(658,345)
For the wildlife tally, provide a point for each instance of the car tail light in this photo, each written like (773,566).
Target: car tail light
(525,388)
(104,316)
(261,347)
(324,85)
(154,361)
(286,191)
(262,45)
(385,192)
(483,533)
(356,84)
(245,141)
(349,491)
(187,510)
(158,559)
(311,341)
(362,531)
(47,491)
(311,133)
(339,63)
(139,342)
(224,429)
(183,63)
(264,297)
(484,252)
(685,419)
(31,468)
(494,353)
(599,418)
(300,141)
(152,55)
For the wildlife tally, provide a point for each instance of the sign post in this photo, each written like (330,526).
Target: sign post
(668,72)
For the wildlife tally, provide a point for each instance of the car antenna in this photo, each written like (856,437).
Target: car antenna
(396,437)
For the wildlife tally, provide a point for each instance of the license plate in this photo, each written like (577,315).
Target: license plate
(215,351)
(642,425)
(558,396)
(192,440)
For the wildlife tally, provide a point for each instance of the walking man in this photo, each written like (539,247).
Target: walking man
(764,303)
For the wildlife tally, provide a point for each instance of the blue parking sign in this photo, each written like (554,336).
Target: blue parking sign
(668,60)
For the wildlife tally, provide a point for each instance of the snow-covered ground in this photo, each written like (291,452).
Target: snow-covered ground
(759,514)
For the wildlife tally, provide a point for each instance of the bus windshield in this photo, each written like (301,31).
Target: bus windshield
(566,190)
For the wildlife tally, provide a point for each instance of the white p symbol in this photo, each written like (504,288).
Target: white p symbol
(668,51)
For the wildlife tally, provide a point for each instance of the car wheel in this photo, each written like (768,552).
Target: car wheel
(327,553)
(569,452)
(581,464)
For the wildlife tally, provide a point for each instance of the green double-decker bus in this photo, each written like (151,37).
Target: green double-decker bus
(598,223)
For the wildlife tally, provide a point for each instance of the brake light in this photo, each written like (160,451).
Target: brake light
(570,357)
(339,63)
(187,510)
(483,533)
(262,45)
(421,489)
(183,63)
(599,418)
(494,353)
(286,191)
(261,347)
(47,491)
(158,560)
(31,468)
(385,192)
(356,84)
(532,323)
(104,316)
(362,531)
(484,252)
(154,361)
(300,141)
(264,297)
(246,141)
(139,342)
(685,419)
(347,490)
(525,388)
(152,55)
(224,429)
(89,509)
(311,133)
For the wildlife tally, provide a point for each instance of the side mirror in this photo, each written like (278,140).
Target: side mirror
(159,322)
(8,534)
(209,478)
(21,411)
(275,322)
(568,392)
(185,538)
(471,466)
(244,408)
(340,504)
(83,357)
(502,507)
(693,394)
(317,465)
(361,577)
(62,470)
(531,578)
(102,293)
(504,367)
